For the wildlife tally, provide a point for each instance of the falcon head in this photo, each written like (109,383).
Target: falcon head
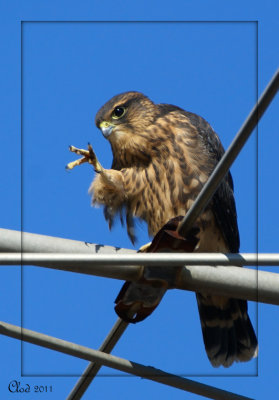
(125,114)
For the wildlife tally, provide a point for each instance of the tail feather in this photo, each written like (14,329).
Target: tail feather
(227,330)
(247,344)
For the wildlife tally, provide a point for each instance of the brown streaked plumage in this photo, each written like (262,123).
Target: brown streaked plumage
(162,156)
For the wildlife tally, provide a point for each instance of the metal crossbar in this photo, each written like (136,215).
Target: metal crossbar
(85,262)
(25,242)
(240,283)
(118,363)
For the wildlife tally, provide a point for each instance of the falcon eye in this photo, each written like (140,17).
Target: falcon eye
(118,112)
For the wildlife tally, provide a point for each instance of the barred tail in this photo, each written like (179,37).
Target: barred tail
(227,330)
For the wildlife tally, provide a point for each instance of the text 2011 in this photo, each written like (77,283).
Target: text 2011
(16,387)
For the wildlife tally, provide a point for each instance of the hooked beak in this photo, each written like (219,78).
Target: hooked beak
(106,128)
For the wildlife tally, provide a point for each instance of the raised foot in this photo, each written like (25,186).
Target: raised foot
(88,156)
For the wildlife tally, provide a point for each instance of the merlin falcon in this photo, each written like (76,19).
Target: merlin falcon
(162,157)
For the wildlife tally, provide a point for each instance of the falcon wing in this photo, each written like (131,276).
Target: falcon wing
(222,203)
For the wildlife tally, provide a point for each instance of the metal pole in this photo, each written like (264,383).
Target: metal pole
(84,262)
(230,155)
(16,241)
(92,369)
(229,281)
(118,363)
(80,263)
(240,283)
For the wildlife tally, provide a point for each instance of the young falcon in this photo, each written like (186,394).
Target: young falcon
(162,156)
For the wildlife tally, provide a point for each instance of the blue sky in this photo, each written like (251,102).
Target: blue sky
(69,69)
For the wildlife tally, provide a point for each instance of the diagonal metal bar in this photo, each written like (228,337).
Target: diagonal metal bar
(230,155)
(118,363)
(92,369)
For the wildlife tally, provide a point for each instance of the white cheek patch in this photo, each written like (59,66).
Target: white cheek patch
(116,135)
